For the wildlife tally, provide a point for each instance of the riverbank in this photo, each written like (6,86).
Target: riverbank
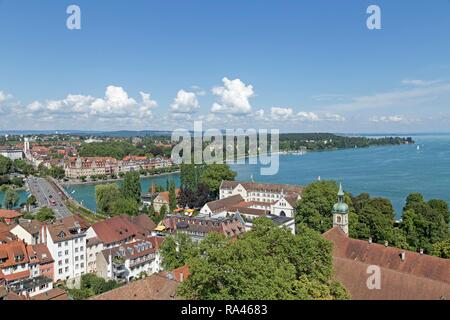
(79,182)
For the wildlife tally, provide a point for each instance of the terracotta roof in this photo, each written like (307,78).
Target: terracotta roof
(60,232)
(154,287)
(9,214)
(263,187)
(53,294)
(31,226)
(164,196)
(120,228)
(224,204)
(10,250)
(418,276)
(42,253)
(17,276)
(227,226)
(250,211)
(394,285)
(74,220)
(7,236)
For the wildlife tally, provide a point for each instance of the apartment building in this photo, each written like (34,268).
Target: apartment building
(113,232)
(66,242)
(77,167)
(130,261)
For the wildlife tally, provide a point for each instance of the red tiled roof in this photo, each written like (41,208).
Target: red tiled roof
(53,294)
(10,250)
(9,214)
(119,228)
(16,276)
(418,276)
(154,287)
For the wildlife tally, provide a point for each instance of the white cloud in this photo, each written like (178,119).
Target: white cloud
(308,116)
(394,118)
(398,98)
(281,113)
(185,102)
(418,82)
(116,107)
(233,97)
(4,96)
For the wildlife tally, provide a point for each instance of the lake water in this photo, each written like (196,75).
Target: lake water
(85,193)
(22,194)
(388,171)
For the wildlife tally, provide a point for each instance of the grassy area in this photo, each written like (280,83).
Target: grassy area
(84,213)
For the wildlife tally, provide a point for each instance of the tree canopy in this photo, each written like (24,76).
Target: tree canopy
(265,263)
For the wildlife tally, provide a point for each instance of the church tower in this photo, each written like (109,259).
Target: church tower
(340,212)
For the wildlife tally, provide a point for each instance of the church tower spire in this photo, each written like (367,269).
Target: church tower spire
(340,211)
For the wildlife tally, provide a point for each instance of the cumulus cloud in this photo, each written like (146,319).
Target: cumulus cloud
(281,113)
(233,97)
(116,105)
(185,102)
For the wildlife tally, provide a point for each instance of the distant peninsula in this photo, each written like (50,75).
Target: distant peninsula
(294,142)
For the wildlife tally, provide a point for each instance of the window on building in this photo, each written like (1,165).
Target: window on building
(60,271)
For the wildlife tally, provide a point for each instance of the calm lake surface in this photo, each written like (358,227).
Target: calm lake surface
(389,171)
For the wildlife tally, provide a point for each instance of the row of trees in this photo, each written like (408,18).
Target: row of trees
(120,149)
(265,263)
(424,224)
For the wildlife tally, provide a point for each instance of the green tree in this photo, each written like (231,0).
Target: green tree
(56,172)
(265,263)
(190,175)
(441,249)
(214,174)
(376,220)
(124,206)
(315,207)
(172,196)
(176,250)
(45,214)
(425,223)
(105,196)
(131,188)
(11,199)
(5,165)
(163,211)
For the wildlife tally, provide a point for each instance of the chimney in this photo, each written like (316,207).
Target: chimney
(370,239)
(421,251)
(403,255)
(386,243)
(181,276)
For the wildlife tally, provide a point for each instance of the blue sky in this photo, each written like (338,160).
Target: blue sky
(293,65)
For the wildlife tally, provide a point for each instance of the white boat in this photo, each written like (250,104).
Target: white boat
(418,148)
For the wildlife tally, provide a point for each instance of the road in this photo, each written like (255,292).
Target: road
(45,194)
